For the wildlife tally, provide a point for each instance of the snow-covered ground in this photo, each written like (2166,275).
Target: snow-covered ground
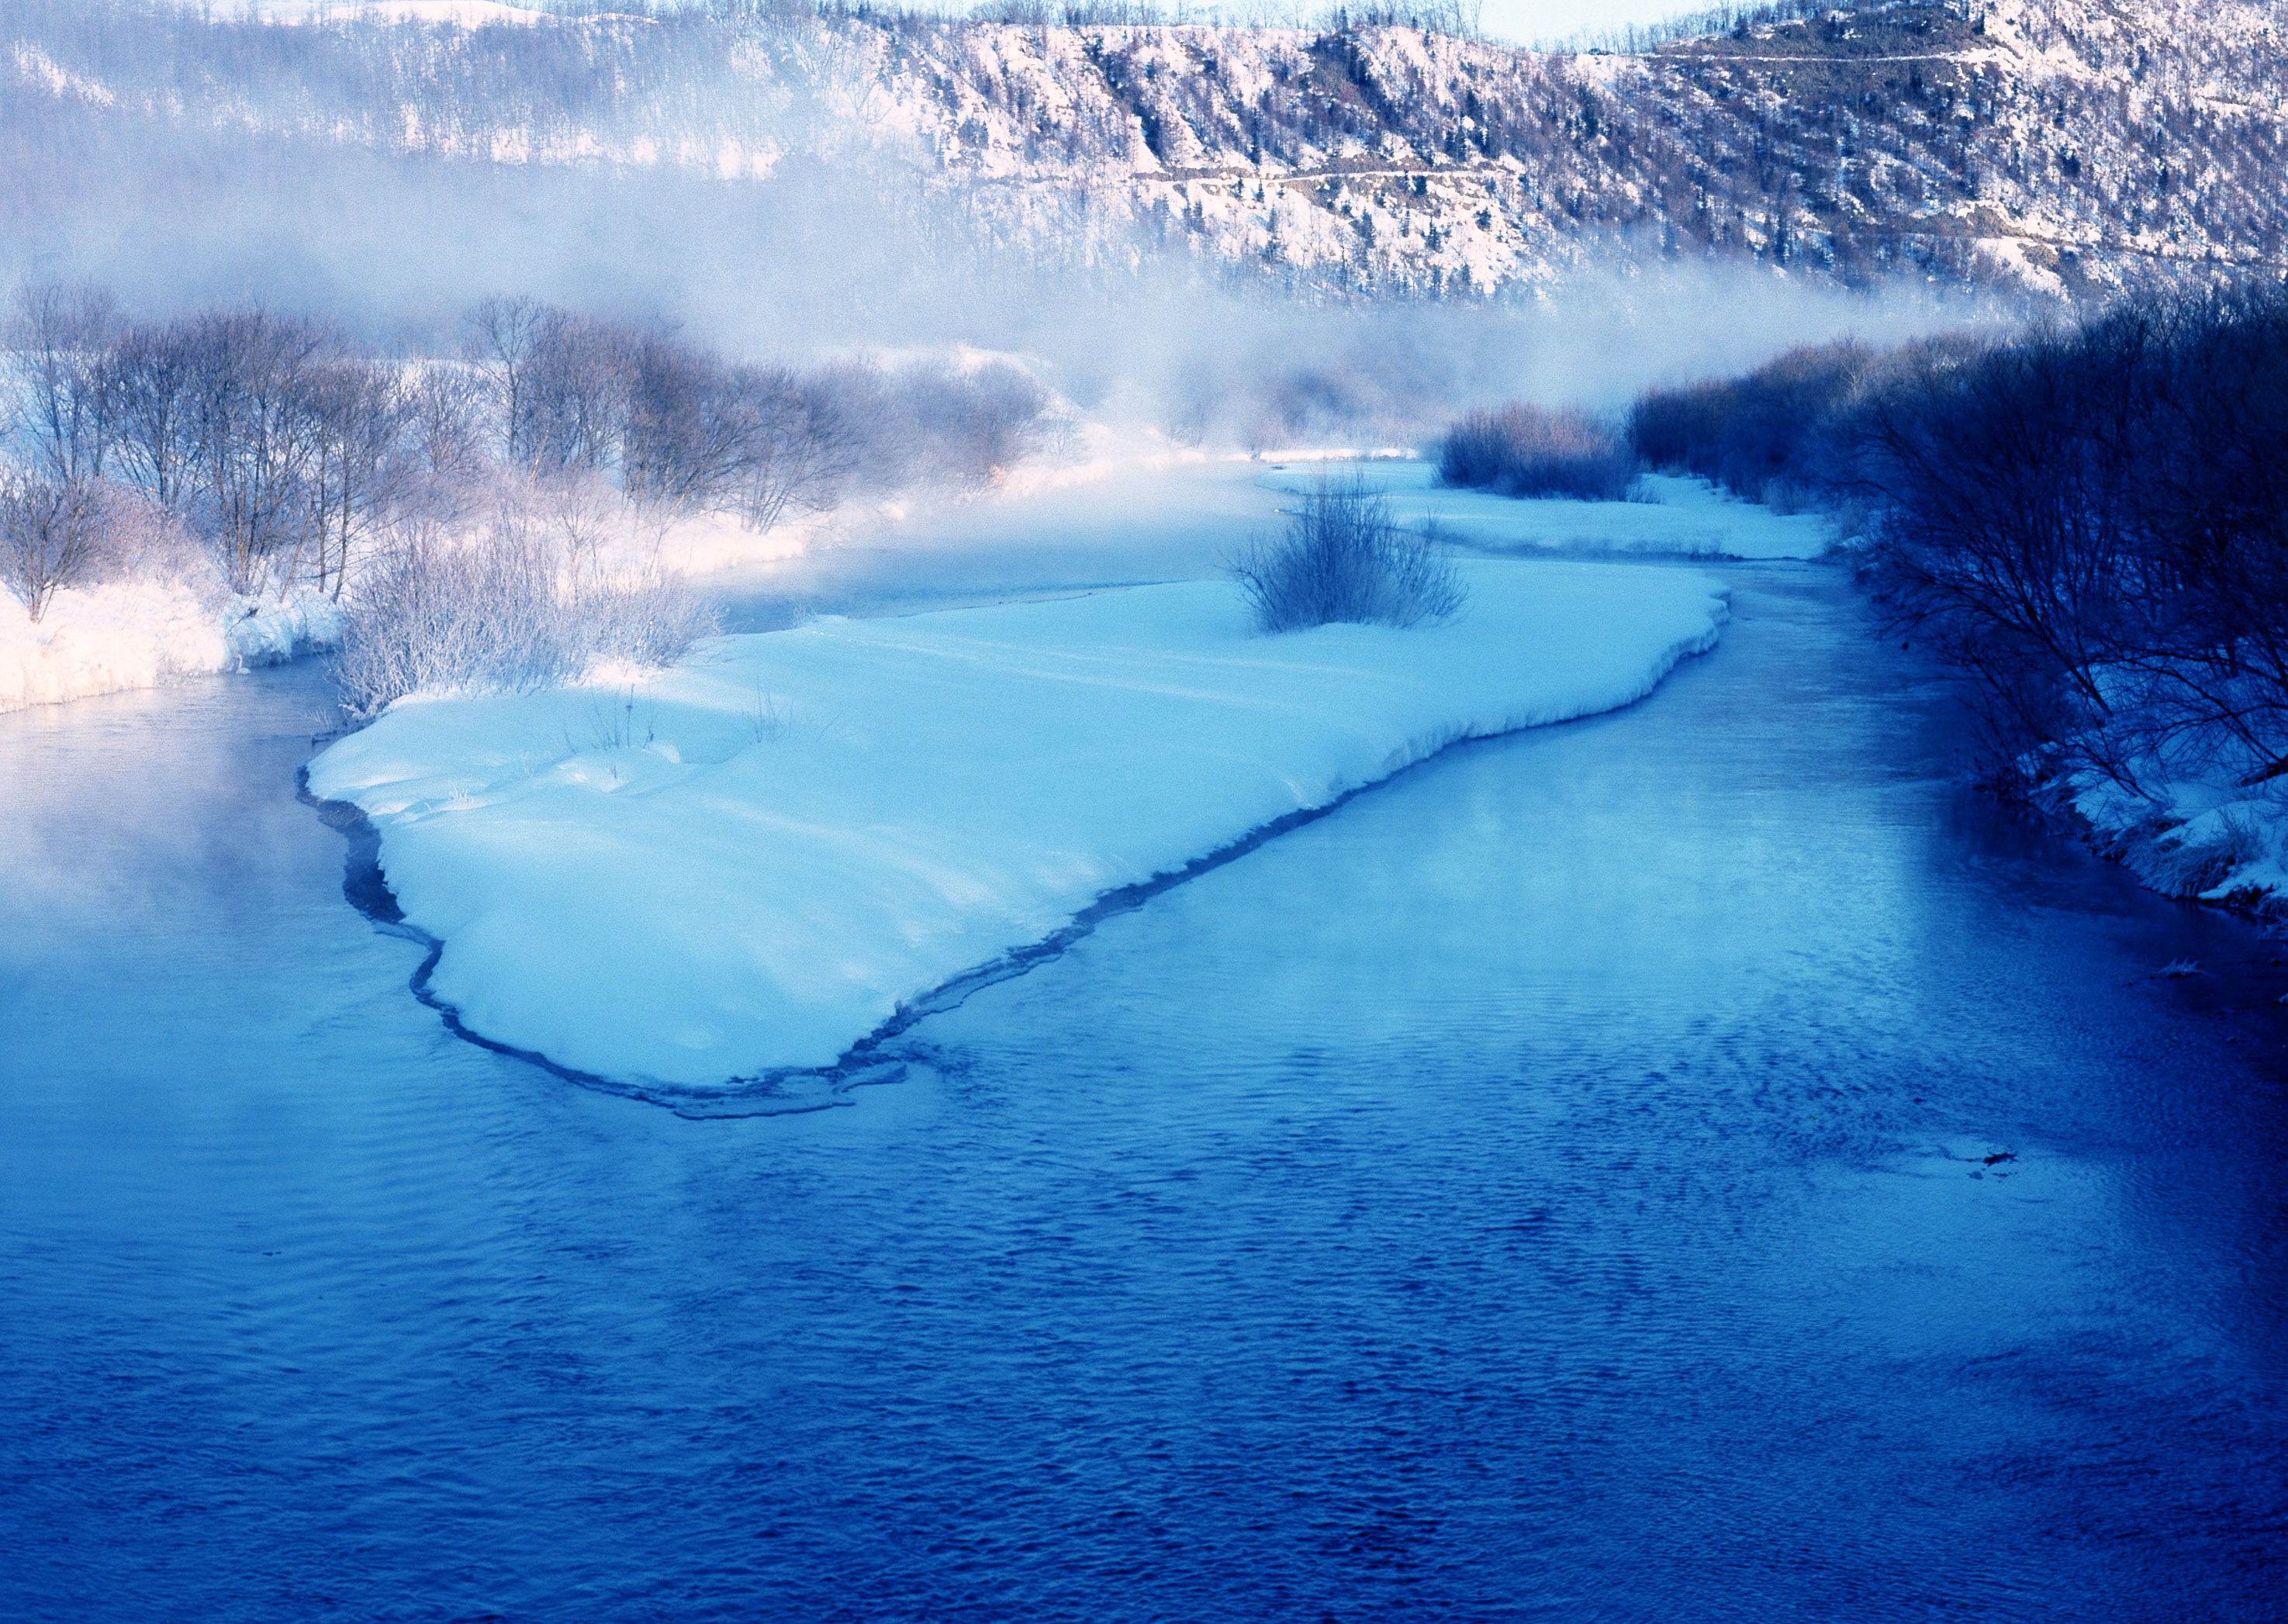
(1138,514)
(1672,516)
(139,634)
(2205,836)
(749,862)
(1124,518)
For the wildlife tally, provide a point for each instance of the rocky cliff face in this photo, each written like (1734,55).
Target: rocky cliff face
(2069,145)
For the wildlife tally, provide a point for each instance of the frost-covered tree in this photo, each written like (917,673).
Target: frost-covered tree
(58,335)
(50,535)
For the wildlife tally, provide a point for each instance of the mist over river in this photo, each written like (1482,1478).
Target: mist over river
(1697,1163)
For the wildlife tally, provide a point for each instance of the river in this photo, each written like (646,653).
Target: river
(1698,1163)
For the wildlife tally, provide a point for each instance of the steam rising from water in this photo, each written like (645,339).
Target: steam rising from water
(828,252)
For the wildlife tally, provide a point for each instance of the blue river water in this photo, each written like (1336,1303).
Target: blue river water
(1694,1164)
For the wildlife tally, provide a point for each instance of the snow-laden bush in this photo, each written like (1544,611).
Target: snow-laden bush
(1521,450)
(56,534)
(51,533)
(1343,558)
(505,606)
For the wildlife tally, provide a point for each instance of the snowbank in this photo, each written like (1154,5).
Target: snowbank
(2208,837)
(749,863)
(139,634)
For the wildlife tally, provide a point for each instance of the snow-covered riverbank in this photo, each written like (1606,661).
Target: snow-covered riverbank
(2208,837)
(139,634)
(1668,517)
(749,863)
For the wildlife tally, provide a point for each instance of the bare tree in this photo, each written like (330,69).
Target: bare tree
(359,415)
(500,335)
(149,393)
(446,458)
(804,448)
(249,440)
(576,396)
(50,532)
(58,335)
(557,382)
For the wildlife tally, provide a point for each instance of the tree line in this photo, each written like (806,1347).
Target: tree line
(2091,519)
(285,451)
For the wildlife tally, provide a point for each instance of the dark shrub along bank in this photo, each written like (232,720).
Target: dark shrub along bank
(2090,520)
(1766,437)
(1521,450)
(1342,558)
(2096,521)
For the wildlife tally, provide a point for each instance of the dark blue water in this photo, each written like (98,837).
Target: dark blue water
(1554,1186)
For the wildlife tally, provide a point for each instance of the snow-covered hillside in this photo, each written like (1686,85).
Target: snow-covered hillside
(2065,145)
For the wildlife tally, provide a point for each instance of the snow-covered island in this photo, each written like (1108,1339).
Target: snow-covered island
(747,863)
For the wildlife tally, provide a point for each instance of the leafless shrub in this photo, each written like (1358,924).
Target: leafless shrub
(758,441)
(2158,851)
(970,426)
(1521,450)
(645,619)
(58,335)
(1769,436)
(692,424)
(807,450)
(140,540)
(683,430)
(51,532)
(930,422)
(501,608)
(1343,559)
(577,509)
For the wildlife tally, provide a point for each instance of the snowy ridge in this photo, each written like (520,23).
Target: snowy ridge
(140,634)
(746,866)
(2063,145)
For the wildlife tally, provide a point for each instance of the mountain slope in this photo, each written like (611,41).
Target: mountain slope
(2067,144)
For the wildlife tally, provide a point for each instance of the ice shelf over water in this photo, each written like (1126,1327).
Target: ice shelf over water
(749,862)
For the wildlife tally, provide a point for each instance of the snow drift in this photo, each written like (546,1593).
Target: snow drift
(749,863)
(138,634)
